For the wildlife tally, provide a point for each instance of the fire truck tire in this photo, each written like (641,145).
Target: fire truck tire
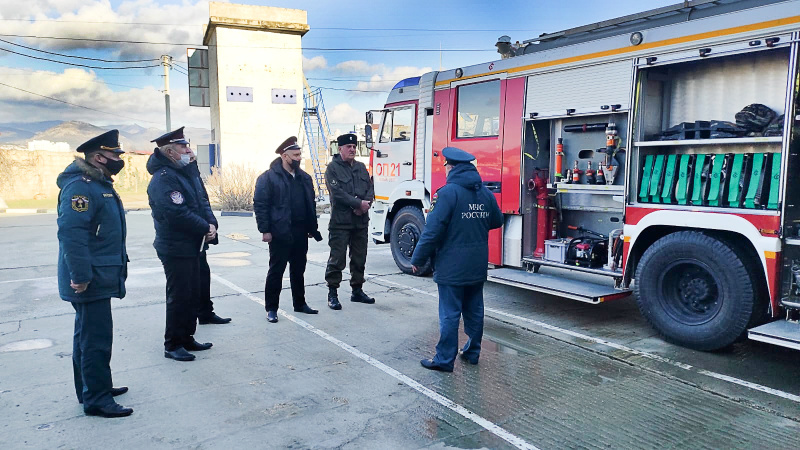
(407,227)
(695,290)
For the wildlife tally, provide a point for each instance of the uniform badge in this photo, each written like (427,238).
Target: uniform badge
(433,200)
(80,203)
(176,197)
(333,181)
(107,194)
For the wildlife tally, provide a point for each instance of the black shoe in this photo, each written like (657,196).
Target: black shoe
(359,296)
(272,316)
(333,299)
(469,360)
(429,364)
(306,309)
(114,392)
(179,354)
(213,319)
(195,346)
(112,410)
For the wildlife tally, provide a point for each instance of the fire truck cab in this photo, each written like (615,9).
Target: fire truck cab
(655,151)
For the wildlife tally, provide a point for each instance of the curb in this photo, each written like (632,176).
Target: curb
(27,211)
(237,213)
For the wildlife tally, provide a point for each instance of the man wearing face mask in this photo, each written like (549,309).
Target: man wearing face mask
(286,217)
(93,266)
(184,225)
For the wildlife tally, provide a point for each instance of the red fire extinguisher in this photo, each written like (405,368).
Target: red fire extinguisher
(545,215)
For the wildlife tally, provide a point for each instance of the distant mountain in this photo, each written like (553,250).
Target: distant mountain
(17,131)
(133,137)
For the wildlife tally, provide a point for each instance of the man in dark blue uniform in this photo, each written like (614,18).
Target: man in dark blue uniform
(184,225)
(456,236)
(286,216)
(93,266)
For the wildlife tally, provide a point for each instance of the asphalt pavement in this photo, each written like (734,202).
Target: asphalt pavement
(554,373)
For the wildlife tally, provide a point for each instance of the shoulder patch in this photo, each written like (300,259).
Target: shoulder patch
(333,181)
(107,194)
(176,197)
(80,203)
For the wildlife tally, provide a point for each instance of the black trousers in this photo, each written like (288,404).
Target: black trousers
(205,307)
(280,253)
(91,352)
(183,291)
(339,240)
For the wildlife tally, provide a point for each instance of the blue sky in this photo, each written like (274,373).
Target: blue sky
(87,28)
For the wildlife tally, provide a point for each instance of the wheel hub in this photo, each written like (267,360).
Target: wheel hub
(691,293)
(407,239)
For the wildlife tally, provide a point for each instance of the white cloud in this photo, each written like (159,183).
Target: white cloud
(96,19)
(381,77)
(82,87)
(345,115)
(315,63)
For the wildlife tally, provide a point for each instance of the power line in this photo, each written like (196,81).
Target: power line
(73,104)
(122,41)
(79,57)
(75,64)
(363,80)
(349,90)
(41,72)
(455,30)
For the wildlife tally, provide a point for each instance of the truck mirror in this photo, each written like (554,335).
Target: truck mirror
(369,117)
(368,132)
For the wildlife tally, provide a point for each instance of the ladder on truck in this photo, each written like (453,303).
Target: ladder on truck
(315,122)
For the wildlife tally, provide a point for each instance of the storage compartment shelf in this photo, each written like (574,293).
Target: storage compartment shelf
(685,142)
(598,271)
(588,188)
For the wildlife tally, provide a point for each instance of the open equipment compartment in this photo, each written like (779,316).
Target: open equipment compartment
(691,148)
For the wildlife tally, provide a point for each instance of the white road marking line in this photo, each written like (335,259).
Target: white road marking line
(130,272)
(690,368)
(442,400)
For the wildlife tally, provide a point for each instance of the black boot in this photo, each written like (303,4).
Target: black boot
(333,299)
(358,295)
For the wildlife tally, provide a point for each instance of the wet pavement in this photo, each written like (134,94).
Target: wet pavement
(553,373)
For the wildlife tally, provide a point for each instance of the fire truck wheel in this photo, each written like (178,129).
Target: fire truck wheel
(407,228)
(695,290)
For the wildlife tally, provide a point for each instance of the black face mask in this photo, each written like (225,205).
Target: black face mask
(114,166)
(294,164)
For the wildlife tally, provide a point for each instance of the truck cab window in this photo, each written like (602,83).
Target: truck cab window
(402,127)
(386,127)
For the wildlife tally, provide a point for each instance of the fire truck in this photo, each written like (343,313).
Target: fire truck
(653,154)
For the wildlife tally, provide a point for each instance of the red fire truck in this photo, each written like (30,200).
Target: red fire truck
(652,153)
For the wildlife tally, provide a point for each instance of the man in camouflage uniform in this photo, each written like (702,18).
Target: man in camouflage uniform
(351,194)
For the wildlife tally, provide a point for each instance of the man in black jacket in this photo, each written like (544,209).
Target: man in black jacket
(286,217)
(184,224)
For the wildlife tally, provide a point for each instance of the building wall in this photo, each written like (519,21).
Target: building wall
(32,174)
(262,58)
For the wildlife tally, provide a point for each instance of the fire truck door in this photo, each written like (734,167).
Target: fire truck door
(396,145)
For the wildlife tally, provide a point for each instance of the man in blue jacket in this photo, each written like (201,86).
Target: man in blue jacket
(456,236)
(92,267)
(184,225)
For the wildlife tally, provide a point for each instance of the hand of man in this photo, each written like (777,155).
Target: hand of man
(414,269)
(364,206)
(266,237)
(358,212)
(212,233)
(79,287)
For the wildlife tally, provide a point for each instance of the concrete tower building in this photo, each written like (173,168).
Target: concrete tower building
(255,64)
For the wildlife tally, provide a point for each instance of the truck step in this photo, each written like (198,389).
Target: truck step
(561,286)
(780,332)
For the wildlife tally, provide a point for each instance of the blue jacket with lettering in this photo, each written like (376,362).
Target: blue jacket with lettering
(457,228)
(180,208)
(91,235)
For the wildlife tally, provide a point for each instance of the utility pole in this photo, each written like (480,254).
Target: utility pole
(166,61)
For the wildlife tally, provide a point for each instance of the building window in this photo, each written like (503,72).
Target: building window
(478,110)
